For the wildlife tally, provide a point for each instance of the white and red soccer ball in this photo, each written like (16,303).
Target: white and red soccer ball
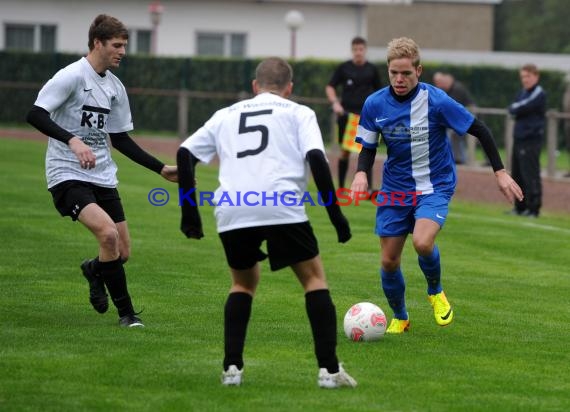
(365,321)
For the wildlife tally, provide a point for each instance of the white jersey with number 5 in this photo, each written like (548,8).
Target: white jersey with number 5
(262,145)
(89,106)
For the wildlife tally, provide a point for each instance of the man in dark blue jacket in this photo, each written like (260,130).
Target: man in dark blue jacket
(528,110)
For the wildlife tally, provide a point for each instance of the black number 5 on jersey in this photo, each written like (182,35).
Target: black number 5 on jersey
(254,128)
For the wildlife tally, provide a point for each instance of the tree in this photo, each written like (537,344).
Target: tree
(539,26)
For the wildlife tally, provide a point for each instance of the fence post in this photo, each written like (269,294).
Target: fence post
(182,114)
(551,143)
(471,144)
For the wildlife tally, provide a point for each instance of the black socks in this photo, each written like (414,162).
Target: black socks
(322,316)
(236,317)
(115,279)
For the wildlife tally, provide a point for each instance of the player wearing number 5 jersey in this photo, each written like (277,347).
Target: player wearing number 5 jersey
(78,108)
(411,118)
(266,145)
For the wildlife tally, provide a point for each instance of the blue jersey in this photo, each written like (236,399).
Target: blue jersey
(419,159)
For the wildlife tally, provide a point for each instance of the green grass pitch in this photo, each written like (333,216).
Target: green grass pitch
(507,277)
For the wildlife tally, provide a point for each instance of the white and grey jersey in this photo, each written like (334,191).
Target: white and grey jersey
(89,106)
(262,144)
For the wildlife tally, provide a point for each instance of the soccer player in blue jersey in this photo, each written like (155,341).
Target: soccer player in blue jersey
(412,117)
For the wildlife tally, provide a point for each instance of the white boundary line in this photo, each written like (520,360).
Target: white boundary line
(509,222)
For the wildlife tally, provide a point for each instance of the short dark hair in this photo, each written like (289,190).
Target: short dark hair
(273,73)
(104,28)
(358,40)
(531,68)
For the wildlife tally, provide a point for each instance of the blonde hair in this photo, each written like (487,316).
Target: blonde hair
(403,48)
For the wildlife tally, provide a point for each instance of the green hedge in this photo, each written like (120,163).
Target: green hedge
(490,86)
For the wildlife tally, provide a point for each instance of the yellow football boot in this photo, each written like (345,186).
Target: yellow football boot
(442,310)
(398,326)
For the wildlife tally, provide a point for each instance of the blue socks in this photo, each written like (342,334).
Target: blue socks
(394,288)
(430,266)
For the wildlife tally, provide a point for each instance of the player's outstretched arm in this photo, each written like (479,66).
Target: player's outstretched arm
(323,179)
(507,185)
(190,223)
(127,146)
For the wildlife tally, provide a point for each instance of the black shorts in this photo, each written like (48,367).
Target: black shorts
(71,196)
(286,245)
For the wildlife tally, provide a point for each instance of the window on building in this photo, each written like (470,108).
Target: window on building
(139,41)
(31,37)
(19,37)
(144,39)
(47,38)
(220,44)
(237,45)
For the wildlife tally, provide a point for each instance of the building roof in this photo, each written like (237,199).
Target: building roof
(379,2)
(546,61)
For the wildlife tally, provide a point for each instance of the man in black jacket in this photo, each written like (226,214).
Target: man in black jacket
(528,110)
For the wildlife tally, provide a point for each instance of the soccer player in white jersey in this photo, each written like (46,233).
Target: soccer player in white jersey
(78,108)
(265,146)
(419,176)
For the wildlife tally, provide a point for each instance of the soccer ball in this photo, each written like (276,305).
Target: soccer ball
(364,322)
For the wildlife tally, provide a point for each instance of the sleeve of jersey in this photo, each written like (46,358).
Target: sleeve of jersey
(455,115)
(120,118)
(308,130)
(536,101)
(202,143)
(335,78)
(366,133)
(55,92)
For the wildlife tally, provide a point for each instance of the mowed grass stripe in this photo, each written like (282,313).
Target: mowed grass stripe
(506,350)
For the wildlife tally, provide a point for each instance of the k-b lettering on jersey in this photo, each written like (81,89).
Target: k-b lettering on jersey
(414,131)
(262,144)
(89,106)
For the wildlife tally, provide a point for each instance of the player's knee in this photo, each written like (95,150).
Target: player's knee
(109,238)
(390,264)
(423,247)
(125,252)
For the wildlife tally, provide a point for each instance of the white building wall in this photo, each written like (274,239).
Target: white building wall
(326,32)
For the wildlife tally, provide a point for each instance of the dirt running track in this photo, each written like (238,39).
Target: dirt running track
(474,183)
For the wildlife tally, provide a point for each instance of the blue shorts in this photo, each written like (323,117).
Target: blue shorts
(397,220)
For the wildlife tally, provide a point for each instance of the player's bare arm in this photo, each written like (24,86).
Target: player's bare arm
(359,183)
(332,96)
(83,153)
(170,173)
(508,186)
